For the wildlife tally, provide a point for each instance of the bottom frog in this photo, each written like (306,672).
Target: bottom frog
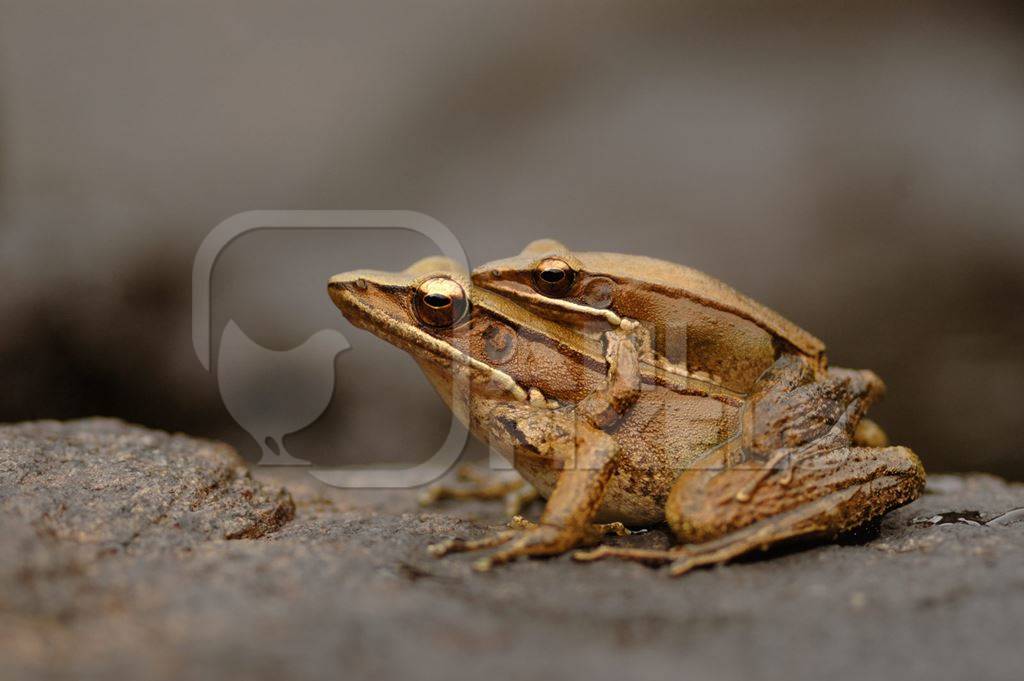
(612,442)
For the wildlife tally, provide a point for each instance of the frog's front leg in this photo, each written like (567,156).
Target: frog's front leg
(567,519)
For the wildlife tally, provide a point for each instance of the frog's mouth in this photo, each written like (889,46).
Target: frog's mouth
(350,294)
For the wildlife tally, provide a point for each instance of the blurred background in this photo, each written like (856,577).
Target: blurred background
(859,167)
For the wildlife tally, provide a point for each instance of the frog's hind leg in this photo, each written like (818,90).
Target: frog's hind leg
(794,415)
(795,472)
(762,534)
(829,494)
(844,489)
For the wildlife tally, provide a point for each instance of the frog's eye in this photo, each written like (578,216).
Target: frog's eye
(440,302)
(553,277)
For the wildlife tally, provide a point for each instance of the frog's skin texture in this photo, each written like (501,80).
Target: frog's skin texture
(517,365)
(606,437)
(737,500)
(699,326)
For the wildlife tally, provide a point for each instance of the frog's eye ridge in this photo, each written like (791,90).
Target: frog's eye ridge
(440,302)
(553,277)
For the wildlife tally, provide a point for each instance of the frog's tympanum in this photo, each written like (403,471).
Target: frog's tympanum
(630,391)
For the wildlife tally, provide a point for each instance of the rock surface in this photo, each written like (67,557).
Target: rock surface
(131,553)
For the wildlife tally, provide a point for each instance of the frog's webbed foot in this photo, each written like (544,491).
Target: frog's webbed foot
(526,538)
(479,484)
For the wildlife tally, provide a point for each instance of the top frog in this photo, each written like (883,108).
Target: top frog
(699,324)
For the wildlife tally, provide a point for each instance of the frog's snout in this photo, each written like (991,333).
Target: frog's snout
(347,281)
(345,289)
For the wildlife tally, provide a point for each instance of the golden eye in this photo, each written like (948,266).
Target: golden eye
(553,277)
(440,302)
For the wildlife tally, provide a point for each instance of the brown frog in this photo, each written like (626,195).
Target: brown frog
(609,438)
(699,326)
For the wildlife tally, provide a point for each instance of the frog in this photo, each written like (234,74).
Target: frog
(612,442)
(700,326)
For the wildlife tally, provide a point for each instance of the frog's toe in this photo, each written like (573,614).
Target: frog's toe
(476,484)
(537,540)
(646,556)
(481,485)
(518,499)
(526,538)
(681,566)
(458,545)
(590,555)
(685,562)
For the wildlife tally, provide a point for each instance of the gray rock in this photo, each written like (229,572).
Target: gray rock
(126,552)
(101,483)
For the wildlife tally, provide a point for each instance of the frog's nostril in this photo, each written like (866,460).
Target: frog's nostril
(346,282)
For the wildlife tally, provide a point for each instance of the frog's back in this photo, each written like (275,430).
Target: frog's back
(699,322)
(678,280)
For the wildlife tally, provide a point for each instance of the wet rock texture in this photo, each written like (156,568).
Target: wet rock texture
(131,553)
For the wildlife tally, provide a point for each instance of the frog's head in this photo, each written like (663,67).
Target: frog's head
(412,308)
(552,281)
(431,311)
